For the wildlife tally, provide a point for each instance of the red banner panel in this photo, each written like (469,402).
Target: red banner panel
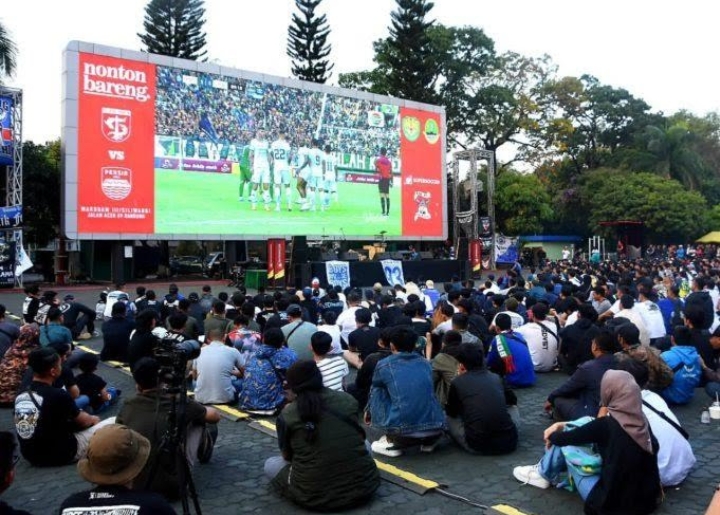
(421,153)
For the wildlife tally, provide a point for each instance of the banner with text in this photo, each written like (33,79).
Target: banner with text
(10,216)
(393,270)
(7,262)
(116,180)
(338,273)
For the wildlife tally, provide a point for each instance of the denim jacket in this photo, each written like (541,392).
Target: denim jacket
(402,399)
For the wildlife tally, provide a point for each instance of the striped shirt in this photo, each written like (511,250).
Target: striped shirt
(333,370)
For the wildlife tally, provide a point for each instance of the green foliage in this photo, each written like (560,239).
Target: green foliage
(408,64)
(522,204)
(41,191)
(669,211)
(8,53)
(307,44)
(714,218)
(175,28)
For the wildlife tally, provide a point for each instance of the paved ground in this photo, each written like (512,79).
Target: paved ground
(233,481)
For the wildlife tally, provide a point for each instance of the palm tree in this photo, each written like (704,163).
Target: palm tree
(8,53)
(674,153)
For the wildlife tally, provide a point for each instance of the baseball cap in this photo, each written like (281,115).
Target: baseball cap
(116,455)
(377,287)
(69,296)
(193,297)
(315,281)
(294,310)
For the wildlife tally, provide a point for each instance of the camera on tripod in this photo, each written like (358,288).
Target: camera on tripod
(173,353)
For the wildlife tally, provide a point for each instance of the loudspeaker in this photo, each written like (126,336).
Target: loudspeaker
(300,250)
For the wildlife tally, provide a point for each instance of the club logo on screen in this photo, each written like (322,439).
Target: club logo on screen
(432,131)
(115,124)
(411,128)
(422,199)
(116,183)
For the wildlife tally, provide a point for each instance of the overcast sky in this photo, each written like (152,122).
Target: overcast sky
(663,52)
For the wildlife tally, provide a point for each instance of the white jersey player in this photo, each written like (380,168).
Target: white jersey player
(316,175)
(280,153)
(330,177)
(260,159)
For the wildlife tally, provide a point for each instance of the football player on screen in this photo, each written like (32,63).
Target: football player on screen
(330,182)
(260,159)
(316,174)
(303,174)
(280,154)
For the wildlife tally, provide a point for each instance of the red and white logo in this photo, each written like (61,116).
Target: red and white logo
(116,183)
(115,124)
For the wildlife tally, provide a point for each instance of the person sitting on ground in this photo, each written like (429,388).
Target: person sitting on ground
(511,309)
(147,413)
(191,327)
(477,411)
(576,340)
(694,319)
(402,404)
(9,457)
(319,432)
(445,365)
(627,479)
(333,368)
(143,341)
(363,340)
(628,336)
(684,361)
(542,338)
(216,369)
(387,313)
(328,325)
(243,338)
(360,389)
(15,362)
(711,369)
(262,385)
(31,304)
(66,380)
(460,322)
(629,311)
(54,331)
(51,428)
(9,332)
(116,456)
(216,319)
(47,301)
(579,396)
(298,332)
(100,395)
(675,457)
(116,335)
(509,356)
(79,318)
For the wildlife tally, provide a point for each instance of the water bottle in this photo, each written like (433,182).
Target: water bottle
(705,417)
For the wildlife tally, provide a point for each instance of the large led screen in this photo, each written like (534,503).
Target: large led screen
(177,149)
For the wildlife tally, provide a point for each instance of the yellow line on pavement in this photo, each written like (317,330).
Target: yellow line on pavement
(407,476)
(231,411)
(265,423)
(86,348)
(507,510)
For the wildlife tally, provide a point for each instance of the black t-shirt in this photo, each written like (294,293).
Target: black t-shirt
(8,334)
(46,427)
(91,385)
(364,340)
(141,346)
(116,499)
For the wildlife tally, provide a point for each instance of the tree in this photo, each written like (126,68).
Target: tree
(590,121)
(522,204)
(407,61)
(41,191)
(174,28)
(307,44)
(8,53)
(669,211)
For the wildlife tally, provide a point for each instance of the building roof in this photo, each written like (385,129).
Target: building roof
(550,238)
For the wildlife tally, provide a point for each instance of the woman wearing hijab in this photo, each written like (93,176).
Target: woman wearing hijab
(627,481)
(325,463)
(14,363)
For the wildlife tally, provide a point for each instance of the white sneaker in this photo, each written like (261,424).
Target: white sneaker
(277,208)
(305,207)
(385,448)
(530,475)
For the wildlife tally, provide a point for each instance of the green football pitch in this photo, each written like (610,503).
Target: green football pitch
(207,203)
